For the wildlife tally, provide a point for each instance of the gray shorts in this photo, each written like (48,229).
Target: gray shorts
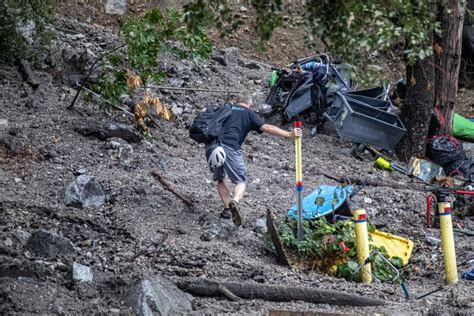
(234,166)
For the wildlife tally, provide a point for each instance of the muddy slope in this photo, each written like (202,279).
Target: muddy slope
(143,229)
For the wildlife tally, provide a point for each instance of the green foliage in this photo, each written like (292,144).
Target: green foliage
(334,244)
(146,37)
(352,30)
(14,13)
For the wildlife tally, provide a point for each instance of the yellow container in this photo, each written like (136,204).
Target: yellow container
(383,164)
(396,246)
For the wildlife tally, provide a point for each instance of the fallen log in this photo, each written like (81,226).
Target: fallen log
(28,74)
(277,243)
(276,293)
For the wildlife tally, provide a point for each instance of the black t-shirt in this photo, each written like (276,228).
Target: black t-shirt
(239,124)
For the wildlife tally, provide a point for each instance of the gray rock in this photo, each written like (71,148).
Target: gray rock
(11,143)
(81,273)
(27,30)
(103,132)
(21,236)
(3,124)
(264,109)
(46,244)
(215,227)
(116,7)
(120,150)
(84,192)
(231,55)
(157,295)
(261,226)
(177,110)
(433,241)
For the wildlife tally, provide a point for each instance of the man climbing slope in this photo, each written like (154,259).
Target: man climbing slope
(241,121)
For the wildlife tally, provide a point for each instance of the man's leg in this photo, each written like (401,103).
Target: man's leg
(224,192)
(239,191)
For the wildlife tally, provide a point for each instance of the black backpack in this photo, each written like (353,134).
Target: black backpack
(207,126)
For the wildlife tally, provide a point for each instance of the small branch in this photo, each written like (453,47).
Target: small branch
(163,182)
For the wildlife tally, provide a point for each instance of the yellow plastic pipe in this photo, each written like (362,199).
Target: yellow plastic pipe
(299,182)
(447,242)
(362,243)
(299,171)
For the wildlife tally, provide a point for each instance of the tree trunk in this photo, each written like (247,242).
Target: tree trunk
(448,60)
(416,109)
(276,293)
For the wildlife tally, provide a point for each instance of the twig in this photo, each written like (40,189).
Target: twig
(163,182)
(113,105)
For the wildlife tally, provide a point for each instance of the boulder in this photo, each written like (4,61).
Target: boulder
(157,295)
(116,7)
(231,55)
(81,273)
(84,192)
(47,245)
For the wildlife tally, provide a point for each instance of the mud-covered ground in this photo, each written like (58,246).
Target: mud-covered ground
(144,229)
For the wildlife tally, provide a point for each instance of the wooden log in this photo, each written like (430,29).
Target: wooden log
(277,243)
(28,74)
(276,293)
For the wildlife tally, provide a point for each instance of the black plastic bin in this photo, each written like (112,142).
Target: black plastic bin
(359,122)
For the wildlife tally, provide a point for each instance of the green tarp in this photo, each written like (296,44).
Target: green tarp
(463,128)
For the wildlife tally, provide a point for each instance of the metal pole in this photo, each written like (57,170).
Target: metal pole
(190,89)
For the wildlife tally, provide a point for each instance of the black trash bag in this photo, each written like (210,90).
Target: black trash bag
(445,150)
(463,168)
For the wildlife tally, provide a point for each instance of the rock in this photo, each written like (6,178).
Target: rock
(177,110)
(21,236)
(84,192)
(261,226)
(231,55)
(8,242)
(116,7)
(433,241)
(11,143)
(368,200)
(220,59)
(27,30)
(3,125)
(81,273)
(264,108)
(250,65)
(157,295)
(120,150)
(80,171)
(62,267)
(47,245)
(92,129)
(176,82)
(215,227)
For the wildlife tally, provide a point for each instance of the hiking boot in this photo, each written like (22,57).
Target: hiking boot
(234,209)
(226,213)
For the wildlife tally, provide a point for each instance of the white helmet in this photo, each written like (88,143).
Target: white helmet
(216,158)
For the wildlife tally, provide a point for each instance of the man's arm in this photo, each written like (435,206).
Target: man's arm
(276,131)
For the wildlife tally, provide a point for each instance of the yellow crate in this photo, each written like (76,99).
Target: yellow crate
(396,246)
